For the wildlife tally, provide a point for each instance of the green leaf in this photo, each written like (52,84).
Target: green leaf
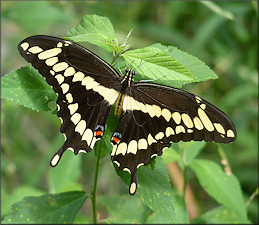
(65,175)
(180,210)
(17,195)
(220,215)
(222,187)
(157,64)
(47,209)
(94,29)
(34,20)
(155,191)
(123,209)
(170,155)
(199,70)
(181,215)
(191,150)
(27,87)
(155,219)
(82,219)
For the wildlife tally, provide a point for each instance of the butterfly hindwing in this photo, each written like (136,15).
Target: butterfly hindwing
(85,94)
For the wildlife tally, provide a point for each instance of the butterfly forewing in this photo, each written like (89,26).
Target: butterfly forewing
(86,86)
(190,111)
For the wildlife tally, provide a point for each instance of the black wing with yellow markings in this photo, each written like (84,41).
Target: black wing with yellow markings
(86,86)
(151,116)
(155,116)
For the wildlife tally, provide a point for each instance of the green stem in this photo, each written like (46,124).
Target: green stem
(98,149)
(183,152)
(252,197)
(224,160)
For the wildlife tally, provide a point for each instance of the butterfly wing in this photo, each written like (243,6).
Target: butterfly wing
(154,116)
(86,86)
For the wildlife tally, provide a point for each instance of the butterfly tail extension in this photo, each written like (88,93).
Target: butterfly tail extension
(133,183)
(57,156)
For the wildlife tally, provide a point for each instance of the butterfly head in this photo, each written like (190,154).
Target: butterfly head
(130,71)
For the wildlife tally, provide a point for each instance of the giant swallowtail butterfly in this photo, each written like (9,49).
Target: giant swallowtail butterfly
(152,116)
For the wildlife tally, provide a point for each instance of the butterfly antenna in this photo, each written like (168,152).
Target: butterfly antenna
(119,67)
(129,64)
(152,79)
(145,62)
(141,63)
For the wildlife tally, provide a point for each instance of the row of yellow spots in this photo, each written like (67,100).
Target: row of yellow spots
(208,124)
(50,55)
(199,122)
(133,146)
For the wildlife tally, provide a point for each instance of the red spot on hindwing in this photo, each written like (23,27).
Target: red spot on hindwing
(116,140)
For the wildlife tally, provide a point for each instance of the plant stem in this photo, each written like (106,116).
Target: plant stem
(224,160)
(184,182)
(183,152)
(114,59)
(252,197)
(98,149)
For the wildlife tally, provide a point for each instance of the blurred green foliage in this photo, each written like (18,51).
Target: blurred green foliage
(223,34)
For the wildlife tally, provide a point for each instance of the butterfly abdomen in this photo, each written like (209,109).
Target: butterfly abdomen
(118,105)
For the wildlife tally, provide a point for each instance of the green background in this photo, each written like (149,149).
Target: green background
(225,39)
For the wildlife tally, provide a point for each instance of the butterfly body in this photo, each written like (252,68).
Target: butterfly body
(151,116)
(126,83)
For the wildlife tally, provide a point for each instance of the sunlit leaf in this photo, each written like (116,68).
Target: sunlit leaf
(157,65)
(199,70)
(27,87)
(94,29)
